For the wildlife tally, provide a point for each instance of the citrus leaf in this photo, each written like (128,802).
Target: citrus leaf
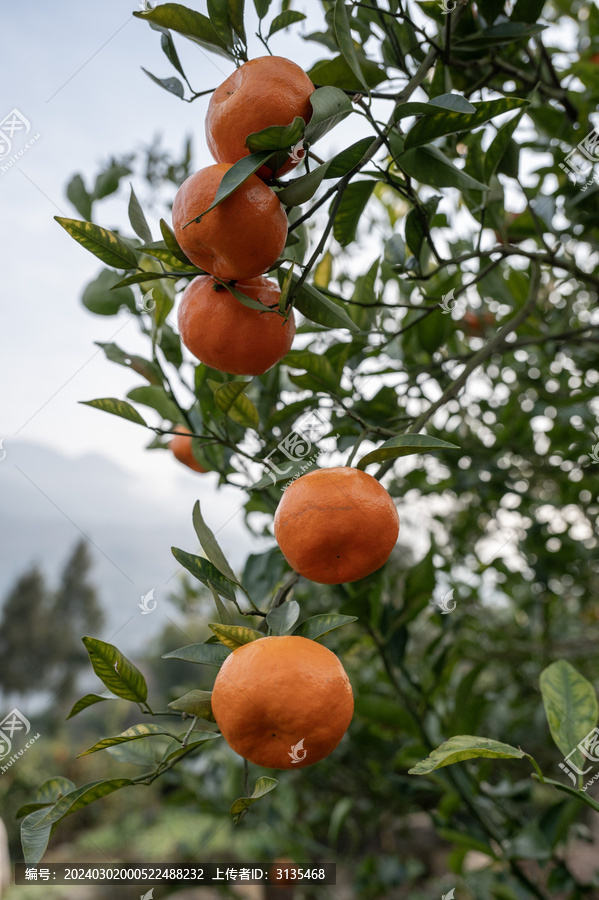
(262,7)
(317,626)
(104,244)
(83,796)
(236,9)
(452,102)
(135,733)
(117,672)
(341,26)
(505,33)
(570,705)
(117,408)
(149,370)
(430,127)
(315,364)
(404,445)
(168,236)
(352,205)
(284,19)
(86,701)
(243,298)
(234,636)
(206,572)
(155,396)
(103,297)
(231,399)
(171,84)
(282,619)
(210,545)
(330,105)
(46,795)
(320,309)
(235,177)
(337,72)
(209,654)
(349,158)
(78,194)
(196,703)
(188,22)
(303,189)
(465,746)
(429,166)
(34,839)
(263,786)
(171,754)
(219,18)
(223,613)
(499,145)
(278,139)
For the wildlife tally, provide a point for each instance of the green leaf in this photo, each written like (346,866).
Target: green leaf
(338,73)
(243,298)
(316,365)
(303,189)
(235,177)
(204,571)
(284,19)
(444,102)
(169,49)
(208,654)
(348,159)
(236,12)
(138,753)
(263,786)
(352,205)
(149,370)
(104,298)
(195,703)
(262,7)
(117,408)
(135,733)
(34,839)
(109,180)
(223,613)
(497,35)
(429,166)
(234,636)
(81,797)
(465,746)
(330,105)
(117,672)
(499,145)
(46,795)
(395,251)
(159,250)
(317,626)
(188,22)
(570,705)
(138,220)
(341,26)
(282,619)
(219,17)
(210,545)
(80,198)
(278,139)
(415,231)
(231,399)
(206,736)
(404,445)
(155,397)
(320,309)
(168,235)
(429,128)
(104,244)
(171,84)
(86,701)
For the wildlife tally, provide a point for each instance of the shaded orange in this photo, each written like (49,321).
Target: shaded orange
(240,238)
(274,692)
(270,90)
(226,335)
(181,448)
(336,525)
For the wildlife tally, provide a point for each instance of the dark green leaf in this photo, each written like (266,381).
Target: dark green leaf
(46,795)
(103,298)
(80,198)
(206,736)
(316,365)
(395,251)
(499,145)
(319,308)
(465,746)
(169,49)
(135,733)
(156,398)
(188,22)
(117,408)
(236,176)
(349,158)
(138,220)
(219,17)
(442,103)
(303,189)
(404,445)
(234,636)
(570,705)
(284,19)
(172,84)
(86,701)
(34,839)
(429,166)
(195,703)
(262,7)
(81,797)
(236,14)
(317,626)
(231,399)
(208,654)
(282,618)
(263,786)
(170,240)
(117,672)
(103,243)
(352,205)
(341,25)
(330,105)
(149,370)
(210,545)
(204,571)
(428,128)
(109,180)
(338,73)
(497,35)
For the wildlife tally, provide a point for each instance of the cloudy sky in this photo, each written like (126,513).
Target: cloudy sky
(73,70)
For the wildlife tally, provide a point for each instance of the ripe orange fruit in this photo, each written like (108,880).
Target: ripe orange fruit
(282,702)
(336,525)
(242,237)
(226,335)
(181,448)
(266,91)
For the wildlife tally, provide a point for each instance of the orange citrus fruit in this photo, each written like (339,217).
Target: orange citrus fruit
(282,702)
(226,335)
(181,448)
(336,525)
(240,238)
(270,90)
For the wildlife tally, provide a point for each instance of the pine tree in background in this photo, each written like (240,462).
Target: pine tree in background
(24,644)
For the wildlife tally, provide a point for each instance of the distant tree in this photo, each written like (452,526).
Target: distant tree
(74,611)
(24,648)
